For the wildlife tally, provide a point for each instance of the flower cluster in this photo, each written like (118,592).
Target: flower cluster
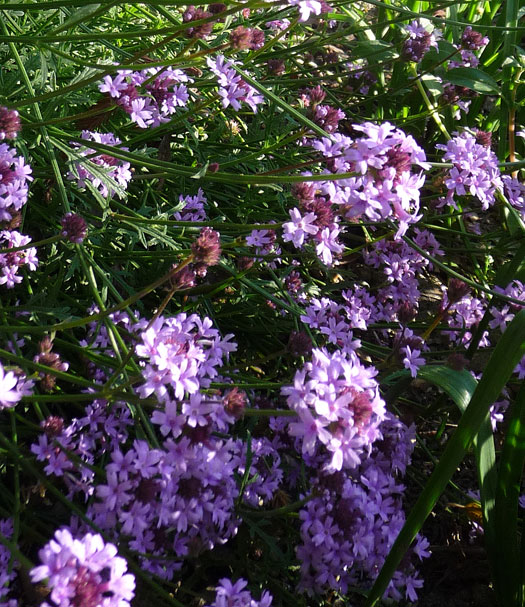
(7,573)
(384,187)
(150,96)
(9,123)
(172,502)
(69,449)
(419,41)
(475,170)
(182,355)
(352,518)
(14,177)
(232,88)
(107,174)
(11,262)
(84,571)
(193,209)
(337,401)
(235,595)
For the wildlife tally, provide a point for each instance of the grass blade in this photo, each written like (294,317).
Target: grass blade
(507,568)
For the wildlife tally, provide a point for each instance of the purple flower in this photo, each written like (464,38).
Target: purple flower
(165,92)
(234,595)
(84,571)
(296,231)
(107,174)
(232,89)
(9,123)
(10,263)
(412,361)
(74,227)
(338,405)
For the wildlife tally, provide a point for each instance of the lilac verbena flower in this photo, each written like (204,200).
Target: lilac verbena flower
(171,502)
(7,573)
(14,178)
(74,227)
(385,185)
(9,123)
(514,190)
(503,314)
(353,517)
(182,355)
(10,263)
(150,96)
(193,209)
(338,405)
(102,428)
(412,360)
(107,174)
(307,8)
(419,41)
(232,88)
(475,170)
(234,595)
(84,571)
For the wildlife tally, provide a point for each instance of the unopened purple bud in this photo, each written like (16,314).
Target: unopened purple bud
(473,40)
(234,402)
(9,123)
(276,67)
(52,426)
(484,138)
(457,361)
(316,95)
(74,227)
(299,344)
(406,313)
(207,248)
(457,289)
(414,49)
(183,279)
(241,37)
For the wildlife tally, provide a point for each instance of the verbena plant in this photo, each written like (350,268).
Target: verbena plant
(249,251)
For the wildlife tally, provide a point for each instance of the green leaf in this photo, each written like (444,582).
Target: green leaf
(506,355)
(473,79)
(507,580)
(460,386)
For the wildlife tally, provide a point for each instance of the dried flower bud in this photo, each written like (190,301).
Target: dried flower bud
(406,313)
(245,263)
(457,361)
(194,14)
(216,8)
(234,402)
(304,192)
(183,279)
(52,426)
(457,289)
(207,248)
(14,222)
(257,39)
(484,138)
(241,37)
(74,227)
(9,123)
(276,66)
(213,167)
(299,344)
(473,40)
(46,345)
